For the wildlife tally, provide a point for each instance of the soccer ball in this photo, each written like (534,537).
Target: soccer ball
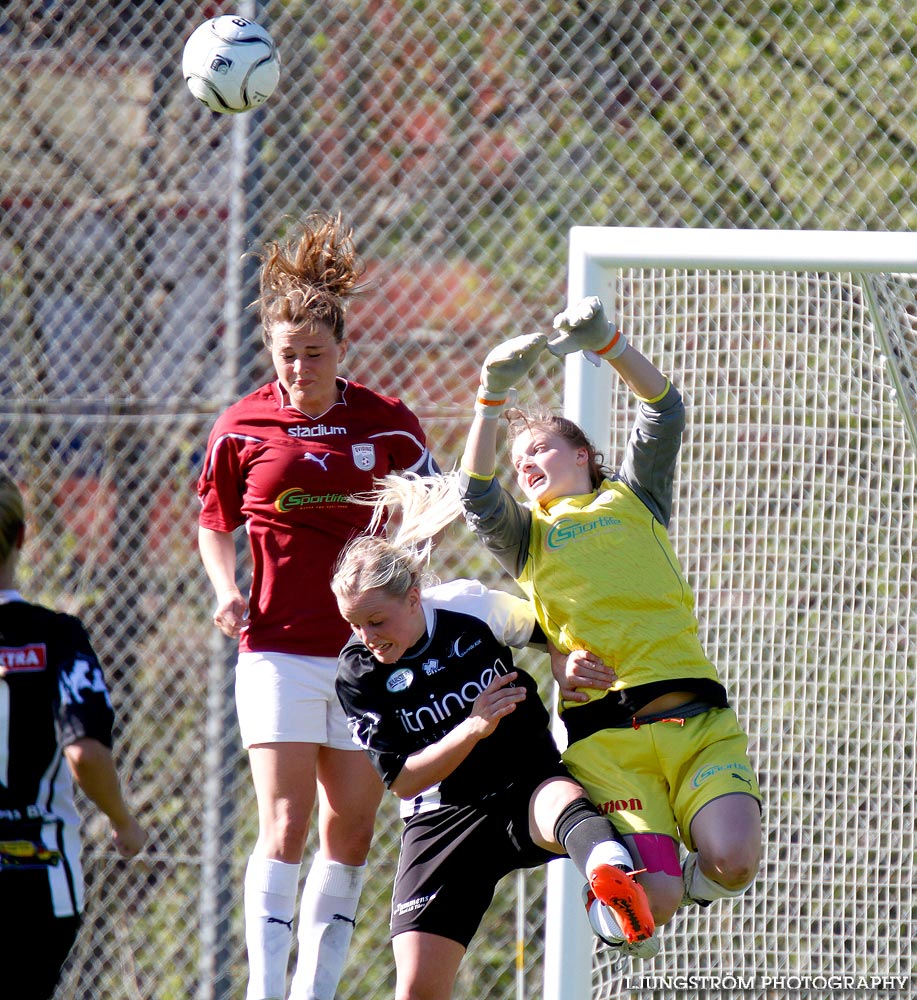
(230,64)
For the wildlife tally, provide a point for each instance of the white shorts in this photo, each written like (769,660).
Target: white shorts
(284,698)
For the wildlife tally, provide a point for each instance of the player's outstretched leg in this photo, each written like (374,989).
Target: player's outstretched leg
(595,848)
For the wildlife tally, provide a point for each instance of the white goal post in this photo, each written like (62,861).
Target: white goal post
(796,352)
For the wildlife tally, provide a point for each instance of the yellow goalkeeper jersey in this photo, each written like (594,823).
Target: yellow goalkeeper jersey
(603,576)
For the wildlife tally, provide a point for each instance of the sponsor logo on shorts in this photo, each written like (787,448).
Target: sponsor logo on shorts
(621,805)
(712,770)
(23,659)
(413,905)
(27,854)
(400,680)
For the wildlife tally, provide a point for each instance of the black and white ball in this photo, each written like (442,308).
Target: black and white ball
(231,64)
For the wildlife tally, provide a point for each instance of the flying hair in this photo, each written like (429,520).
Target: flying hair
(308,279)
(413,511)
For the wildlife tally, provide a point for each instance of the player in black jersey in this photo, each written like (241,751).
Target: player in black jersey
(461,735)
(55,725)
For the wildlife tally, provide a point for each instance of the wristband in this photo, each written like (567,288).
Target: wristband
(490,405)
(614,348)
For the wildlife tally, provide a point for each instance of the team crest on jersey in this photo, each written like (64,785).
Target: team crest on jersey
(23,659)
(399,680)
(364,456)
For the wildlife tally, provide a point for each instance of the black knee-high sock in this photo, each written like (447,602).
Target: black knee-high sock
(579,828)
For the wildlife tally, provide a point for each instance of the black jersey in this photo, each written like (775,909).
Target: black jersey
(397,709)
(52,693)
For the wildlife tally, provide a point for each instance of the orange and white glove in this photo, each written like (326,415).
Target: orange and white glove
(503,367)
(583,327)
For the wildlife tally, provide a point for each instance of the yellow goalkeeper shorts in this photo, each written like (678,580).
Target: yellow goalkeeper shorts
(655,777)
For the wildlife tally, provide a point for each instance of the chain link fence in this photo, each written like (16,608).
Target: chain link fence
(461,139)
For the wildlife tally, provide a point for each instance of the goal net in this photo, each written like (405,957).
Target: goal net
(796,355)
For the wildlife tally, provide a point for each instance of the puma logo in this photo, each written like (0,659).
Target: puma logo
(309,456)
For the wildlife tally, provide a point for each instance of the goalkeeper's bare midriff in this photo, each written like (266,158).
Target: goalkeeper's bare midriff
(666,703)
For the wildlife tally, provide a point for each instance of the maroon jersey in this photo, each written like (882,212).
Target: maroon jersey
(289,478)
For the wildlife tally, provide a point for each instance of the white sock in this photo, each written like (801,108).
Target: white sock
(704,889)
(326,922)
(609,852)
(269,902)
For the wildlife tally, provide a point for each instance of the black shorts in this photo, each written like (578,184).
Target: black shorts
(34,943)
(453,857)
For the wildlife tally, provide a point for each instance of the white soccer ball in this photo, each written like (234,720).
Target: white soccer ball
(230,64)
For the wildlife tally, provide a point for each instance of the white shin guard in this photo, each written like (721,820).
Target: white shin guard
(326,922)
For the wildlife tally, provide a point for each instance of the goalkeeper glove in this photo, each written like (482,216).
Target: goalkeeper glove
(503,367)
(583,327)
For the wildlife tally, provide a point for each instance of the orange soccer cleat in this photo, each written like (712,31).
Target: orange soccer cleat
(626,899)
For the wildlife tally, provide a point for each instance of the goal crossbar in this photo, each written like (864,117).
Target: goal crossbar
(737,249)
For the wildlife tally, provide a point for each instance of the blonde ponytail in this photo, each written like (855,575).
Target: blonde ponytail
(415,509)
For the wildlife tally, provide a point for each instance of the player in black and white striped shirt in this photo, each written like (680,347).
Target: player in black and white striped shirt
(461,735)
(55,725)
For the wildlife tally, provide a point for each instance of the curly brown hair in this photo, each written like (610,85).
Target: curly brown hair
(308,280)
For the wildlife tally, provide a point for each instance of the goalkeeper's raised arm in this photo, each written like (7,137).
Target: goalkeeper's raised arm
(583,327)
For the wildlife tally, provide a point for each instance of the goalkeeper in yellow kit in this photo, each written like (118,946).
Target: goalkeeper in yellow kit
(650,733)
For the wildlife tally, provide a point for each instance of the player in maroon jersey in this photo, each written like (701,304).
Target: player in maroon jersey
(53,705)
(284,462)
